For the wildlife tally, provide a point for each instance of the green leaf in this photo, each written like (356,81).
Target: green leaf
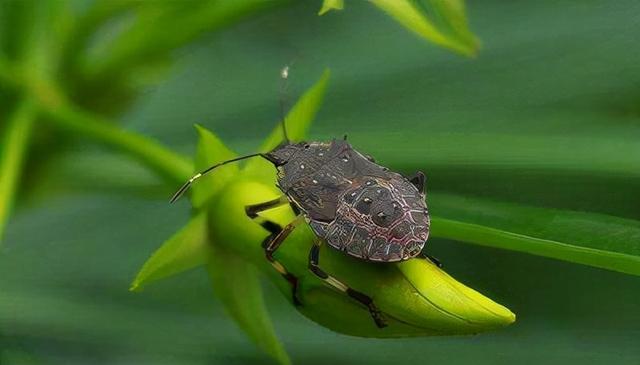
(297,121)
(166,163)
(186,249)
(586,238)
(328,5)
(236,284)
(211,151)
(13,149)
(149,37)
(442,22)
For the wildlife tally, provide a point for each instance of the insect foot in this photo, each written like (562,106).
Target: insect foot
(376,314)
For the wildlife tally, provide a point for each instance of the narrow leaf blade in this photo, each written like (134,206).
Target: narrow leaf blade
(236,284)
(12,155)
(454,35)
(328,5)
(187,249)
(586,238)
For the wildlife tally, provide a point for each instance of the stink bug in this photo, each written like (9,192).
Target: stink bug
(353,204)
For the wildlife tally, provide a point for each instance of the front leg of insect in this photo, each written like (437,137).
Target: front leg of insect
(275,239)
(314,261)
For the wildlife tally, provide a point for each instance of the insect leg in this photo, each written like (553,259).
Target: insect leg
(434,260)
(314,259)
(273,242)
(253,210)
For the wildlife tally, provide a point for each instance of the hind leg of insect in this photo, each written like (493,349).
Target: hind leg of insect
(314,260)
(434,260)
(275,239)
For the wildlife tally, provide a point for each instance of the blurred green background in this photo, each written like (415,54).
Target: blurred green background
(546,115)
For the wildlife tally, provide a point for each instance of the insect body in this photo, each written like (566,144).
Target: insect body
(354,204)
(349,201)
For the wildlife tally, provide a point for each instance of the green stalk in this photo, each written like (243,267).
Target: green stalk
(12,154)
(166,163)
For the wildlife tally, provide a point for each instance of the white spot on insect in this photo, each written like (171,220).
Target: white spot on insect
(345,158)
(285,72)
(334,177)
(314,181)
(321,154)
(367,200)
(353,194)
(302,166)
(368,183)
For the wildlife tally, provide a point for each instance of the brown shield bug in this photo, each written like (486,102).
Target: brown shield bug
(350,202)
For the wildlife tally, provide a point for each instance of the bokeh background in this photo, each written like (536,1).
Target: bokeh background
(553,82)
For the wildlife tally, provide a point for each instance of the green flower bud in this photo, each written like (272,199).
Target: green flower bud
(416,296)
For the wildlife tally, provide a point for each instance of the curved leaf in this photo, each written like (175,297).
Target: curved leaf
(235,282)
(328,5)
(587,238)
(442,22)
(12,155)
(186,249)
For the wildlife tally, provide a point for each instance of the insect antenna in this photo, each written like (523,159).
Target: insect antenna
(195,177)
(284,76)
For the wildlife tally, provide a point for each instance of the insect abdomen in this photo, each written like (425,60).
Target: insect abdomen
(380,220)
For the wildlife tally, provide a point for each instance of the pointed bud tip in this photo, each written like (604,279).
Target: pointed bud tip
(474,311)
(135,287)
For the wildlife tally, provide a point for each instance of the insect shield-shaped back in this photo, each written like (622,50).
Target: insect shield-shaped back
(381,220)
(356,205)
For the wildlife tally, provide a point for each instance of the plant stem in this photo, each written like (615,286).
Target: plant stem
(168,164)
(51,101)
(12,154)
